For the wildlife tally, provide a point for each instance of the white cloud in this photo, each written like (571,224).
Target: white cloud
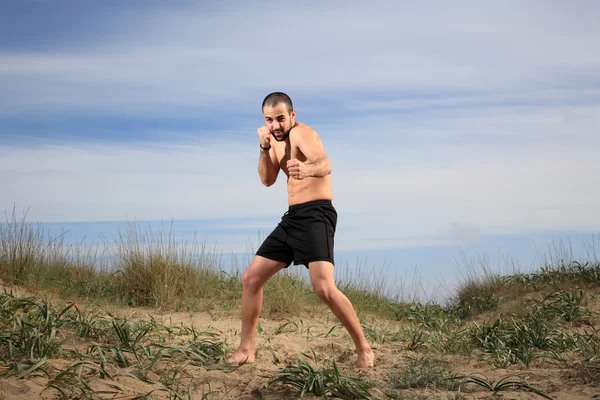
(102,182)
(450,122)
(181,60)
(387,195)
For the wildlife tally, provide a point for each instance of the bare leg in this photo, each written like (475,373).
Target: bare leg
(253,281)
(322,278)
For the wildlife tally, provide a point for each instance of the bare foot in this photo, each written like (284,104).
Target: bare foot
(241,357)
(366,359)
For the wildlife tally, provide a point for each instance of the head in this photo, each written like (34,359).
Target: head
(279,115)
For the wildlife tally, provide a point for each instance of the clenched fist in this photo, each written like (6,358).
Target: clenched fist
(297,169)
(264,134)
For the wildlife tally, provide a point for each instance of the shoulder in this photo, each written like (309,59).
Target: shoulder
(307,141)
(302,132)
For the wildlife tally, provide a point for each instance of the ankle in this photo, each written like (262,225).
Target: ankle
(364,348)
(245,349)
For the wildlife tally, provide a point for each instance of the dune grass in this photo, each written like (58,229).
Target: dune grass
(324,381)
(34,331)
(518,320)
(141,267)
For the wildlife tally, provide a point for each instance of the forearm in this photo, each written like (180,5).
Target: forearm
(266,170)
(319,168)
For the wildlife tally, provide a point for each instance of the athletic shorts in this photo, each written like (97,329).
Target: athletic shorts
(305,234)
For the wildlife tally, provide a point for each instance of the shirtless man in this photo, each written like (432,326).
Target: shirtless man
(306,231)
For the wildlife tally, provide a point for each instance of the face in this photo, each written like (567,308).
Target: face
(279,121)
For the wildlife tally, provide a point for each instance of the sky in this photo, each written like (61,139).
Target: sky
(447,125)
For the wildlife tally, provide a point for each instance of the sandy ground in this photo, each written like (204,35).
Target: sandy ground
(276,346)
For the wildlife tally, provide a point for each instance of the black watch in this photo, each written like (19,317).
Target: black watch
(264,148)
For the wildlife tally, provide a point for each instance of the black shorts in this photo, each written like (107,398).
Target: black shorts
(305,234)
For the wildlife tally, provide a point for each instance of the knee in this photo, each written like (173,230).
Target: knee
(251,281)
(325,292)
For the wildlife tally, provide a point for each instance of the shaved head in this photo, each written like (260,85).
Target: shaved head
(276,98)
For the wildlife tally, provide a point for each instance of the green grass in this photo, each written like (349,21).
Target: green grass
(323,382)
(567,306)
(507,383)
(33,331)
(523,339)
(481,289)
(29,333)
(422,373)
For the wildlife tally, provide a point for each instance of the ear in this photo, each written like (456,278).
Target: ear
(293,114)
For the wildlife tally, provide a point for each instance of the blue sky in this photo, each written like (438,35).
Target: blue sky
(446,125)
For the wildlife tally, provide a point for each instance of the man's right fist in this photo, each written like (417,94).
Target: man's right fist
(264,134)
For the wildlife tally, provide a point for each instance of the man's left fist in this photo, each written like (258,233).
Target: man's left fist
(297,169)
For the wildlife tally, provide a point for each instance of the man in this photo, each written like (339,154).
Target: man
(306,231)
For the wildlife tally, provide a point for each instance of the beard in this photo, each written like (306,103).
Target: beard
(282,137)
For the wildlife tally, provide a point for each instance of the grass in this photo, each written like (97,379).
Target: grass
(323,382)
(148,268)
(422,373)
(507,383)
(33,331)
(28,333)
(517,321)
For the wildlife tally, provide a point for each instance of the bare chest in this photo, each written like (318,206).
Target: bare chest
(286,151)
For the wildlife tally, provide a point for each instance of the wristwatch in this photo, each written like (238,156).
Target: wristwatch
(264,148)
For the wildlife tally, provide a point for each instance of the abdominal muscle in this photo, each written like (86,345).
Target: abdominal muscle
(301,190)
(309,189)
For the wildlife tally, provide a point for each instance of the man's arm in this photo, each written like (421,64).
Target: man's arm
(319,168)
(268,167)
(317,164)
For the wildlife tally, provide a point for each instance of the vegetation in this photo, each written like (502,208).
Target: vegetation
(486,339)
(323,382)
(146,268)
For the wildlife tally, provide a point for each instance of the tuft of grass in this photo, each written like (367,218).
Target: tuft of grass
(288,293)
(478,295)
(29,333)
(370,289)
(479,290)
(74,382)
(563,273)
(430,316)
(560,275)
(415,337)
(583,363)
(454,341)
(434,328)
(22,247)
(380,334)
(503,384)
(563,305)
(520,339)
(422,373)
(323,382)
(158,271)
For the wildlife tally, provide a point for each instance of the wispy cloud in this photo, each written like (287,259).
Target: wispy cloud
(188,59)
(442,126)
(389,196)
